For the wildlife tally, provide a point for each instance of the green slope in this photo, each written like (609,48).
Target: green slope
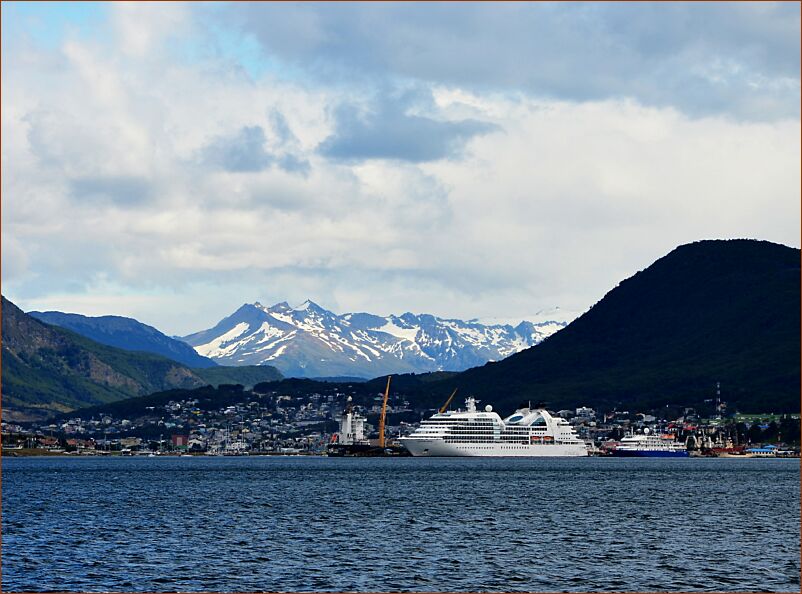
(247,375)
(47,369)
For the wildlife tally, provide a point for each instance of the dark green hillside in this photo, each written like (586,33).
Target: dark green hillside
(408,382)
(362,391)
(246,375)
(710,311)
(208,397)
(48,369)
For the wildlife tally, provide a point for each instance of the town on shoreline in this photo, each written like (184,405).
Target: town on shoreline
(235,421)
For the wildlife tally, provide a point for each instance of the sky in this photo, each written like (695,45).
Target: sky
(507,161)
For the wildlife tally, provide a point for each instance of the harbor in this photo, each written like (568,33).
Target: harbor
(330,424)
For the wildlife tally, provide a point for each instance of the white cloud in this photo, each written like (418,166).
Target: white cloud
(143,33)
(108,209)
(702,58)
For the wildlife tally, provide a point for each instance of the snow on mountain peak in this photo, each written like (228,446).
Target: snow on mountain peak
(309,341)
(280,307)
(310,305)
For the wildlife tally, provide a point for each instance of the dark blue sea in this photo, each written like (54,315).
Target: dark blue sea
(409,524)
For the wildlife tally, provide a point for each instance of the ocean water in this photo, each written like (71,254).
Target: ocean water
(407,524)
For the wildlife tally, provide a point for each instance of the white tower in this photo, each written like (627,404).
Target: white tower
(352,425)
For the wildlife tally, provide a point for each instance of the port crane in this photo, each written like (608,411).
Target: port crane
(444,408)
(384,413)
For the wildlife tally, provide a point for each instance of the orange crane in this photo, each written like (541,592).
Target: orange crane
(384,413)
(444,408)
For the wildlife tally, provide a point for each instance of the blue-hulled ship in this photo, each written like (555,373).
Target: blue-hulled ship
(647,445)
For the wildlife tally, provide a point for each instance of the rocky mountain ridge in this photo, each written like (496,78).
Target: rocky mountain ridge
(125,333)
(311,341)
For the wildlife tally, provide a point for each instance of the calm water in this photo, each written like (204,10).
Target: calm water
(223,524)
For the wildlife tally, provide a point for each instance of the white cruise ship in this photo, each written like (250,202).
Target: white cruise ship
(525,433)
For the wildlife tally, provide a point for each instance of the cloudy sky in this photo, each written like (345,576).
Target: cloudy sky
(172,161)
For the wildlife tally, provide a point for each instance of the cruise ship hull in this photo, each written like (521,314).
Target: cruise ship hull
(650,454)
(438,447)
(337,450)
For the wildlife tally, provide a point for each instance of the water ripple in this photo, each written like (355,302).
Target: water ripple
(316,524)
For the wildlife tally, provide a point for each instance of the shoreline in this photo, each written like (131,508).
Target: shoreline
(44,453)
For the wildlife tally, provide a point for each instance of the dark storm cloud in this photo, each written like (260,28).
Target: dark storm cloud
(387,131)
(741,59)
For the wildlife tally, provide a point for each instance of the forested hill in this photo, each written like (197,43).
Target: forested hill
(713,311)
(48,369)
(127,334)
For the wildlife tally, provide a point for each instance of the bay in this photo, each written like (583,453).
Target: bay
(408,524)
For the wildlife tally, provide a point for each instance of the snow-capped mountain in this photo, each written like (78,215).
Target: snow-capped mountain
(309,341)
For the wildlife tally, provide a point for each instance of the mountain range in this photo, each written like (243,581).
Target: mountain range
(48,369)
(310,341)
(125,333)
(707,312)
